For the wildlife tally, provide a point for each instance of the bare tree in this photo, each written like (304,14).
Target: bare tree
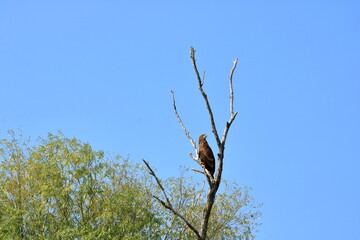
(214,183)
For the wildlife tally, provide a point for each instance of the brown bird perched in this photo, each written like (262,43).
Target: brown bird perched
(206,155)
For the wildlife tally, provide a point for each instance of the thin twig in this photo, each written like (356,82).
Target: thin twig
(158,181)
(168,204)
(196,159)
(181,123)
(195,170)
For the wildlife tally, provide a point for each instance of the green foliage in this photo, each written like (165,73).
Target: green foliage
(61,188)
(233,215)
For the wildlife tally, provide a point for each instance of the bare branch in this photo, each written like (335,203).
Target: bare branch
(158,181)
(182,124)
(208,207)
(168,204)
(227,127)
(195,170)
(232,113)
(193,143)
(231,88)
(212,121)
(196,159)
(179,215)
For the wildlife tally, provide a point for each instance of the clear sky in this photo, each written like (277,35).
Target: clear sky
(102,71)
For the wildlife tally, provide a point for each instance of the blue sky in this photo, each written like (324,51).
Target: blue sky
(102,71)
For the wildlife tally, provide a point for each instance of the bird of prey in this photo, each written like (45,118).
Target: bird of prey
(206,154)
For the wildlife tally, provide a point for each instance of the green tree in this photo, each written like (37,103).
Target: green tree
(62,189)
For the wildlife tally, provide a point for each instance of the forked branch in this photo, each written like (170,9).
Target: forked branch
(232,113)
(214,183)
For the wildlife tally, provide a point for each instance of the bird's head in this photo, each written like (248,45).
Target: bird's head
(203,137)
